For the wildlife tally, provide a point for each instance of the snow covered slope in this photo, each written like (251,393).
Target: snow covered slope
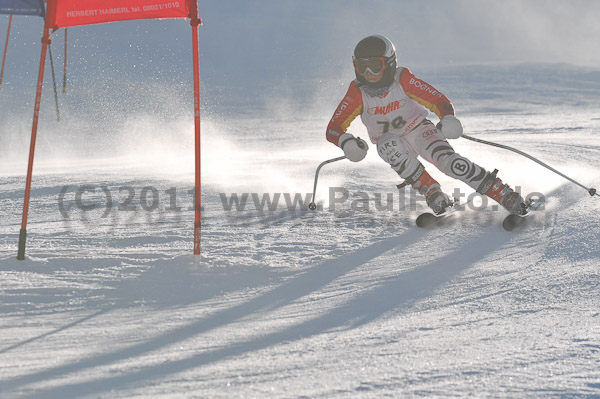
(351,301)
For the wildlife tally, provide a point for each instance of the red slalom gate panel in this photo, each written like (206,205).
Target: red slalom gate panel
(64,13)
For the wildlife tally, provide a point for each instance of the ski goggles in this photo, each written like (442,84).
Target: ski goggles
(372,64)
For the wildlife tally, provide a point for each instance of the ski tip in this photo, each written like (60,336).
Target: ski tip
(511,222)
(425,219)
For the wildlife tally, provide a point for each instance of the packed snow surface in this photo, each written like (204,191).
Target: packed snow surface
(349,301)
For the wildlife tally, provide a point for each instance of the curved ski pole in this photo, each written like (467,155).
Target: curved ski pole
(312,205)
(591,191)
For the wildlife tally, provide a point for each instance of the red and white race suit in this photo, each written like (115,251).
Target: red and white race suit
(395,118)
(400,109)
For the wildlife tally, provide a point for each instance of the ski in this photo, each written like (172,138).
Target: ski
(512,221)
(428,218)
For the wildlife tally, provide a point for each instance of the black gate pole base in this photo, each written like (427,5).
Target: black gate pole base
(22,240)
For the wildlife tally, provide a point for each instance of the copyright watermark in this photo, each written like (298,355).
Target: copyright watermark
(106,200)
(89,198)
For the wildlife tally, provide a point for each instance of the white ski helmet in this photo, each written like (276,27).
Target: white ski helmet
(369,50)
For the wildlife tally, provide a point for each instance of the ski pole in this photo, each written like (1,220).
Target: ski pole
(591,191)
(312,206)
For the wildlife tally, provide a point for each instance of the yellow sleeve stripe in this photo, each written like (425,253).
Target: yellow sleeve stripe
(426,104)
(350,118)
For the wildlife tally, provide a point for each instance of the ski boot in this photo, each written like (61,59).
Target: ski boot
(436,199)
(511,200)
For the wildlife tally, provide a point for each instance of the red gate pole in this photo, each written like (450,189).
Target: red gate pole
(36,113)
(65,64)
(195,22)
(5,49)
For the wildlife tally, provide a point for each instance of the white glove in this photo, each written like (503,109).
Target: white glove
(450,127)
(354,148)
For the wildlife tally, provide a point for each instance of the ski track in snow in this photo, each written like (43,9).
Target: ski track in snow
(337,303)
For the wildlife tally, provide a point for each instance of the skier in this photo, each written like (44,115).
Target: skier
(392,104)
